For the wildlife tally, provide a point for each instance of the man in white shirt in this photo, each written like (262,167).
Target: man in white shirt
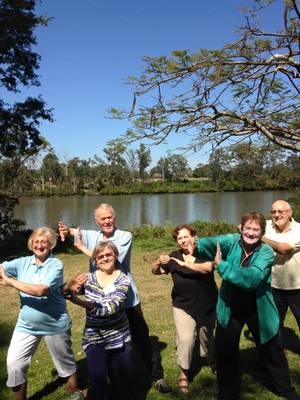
(283,234)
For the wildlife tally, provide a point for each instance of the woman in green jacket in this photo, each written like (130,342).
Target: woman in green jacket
(244,263)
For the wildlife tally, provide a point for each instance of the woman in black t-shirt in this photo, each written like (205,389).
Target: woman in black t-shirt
(194,297)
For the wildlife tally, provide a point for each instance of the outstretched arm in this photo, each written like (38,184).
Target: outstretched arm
(280,248)
(38,290)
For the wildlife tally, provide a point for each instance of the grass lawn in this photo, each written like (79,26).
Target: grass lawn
(43,382)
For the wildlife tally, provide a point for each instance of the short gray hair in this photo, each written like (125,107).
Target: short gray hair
(104,206)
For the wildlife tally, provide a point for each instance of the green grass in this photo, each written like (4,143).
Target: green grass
(43,382)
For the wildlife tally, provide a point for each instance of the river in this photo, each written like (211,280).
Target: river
(157,209)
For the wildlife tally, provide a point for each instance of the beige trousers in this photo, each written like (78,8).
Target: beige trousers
(187,330)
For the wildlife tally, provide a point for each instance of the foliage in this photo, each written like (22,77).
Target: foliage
(19,121)
(241,167)
(172,168)
(19,134)
(295,204)
(212,229)
(144,157)
(116,167)
(8,224)
(144,235)
(155,237)
(246,90)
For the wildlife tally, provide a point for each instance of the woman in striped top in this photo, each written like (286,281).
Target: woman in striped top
(106,335)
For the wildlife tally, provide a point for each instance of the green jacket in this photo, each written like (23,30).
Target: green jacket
(257,276)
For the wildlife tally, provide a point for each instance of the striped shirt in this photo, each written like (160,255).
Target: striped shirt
(107,326)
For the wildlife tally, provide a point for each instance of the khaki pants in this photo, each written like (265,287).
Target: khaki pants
(187,329)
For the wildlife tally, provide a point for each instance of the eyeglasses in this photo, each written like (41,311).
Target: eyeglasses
(256,231)
(106,255)
(42,242)
(280,212)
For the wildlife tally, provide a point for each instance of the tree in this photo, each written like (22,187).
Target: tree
(20,121)
(117,170)
(99,173)
(249,88)
(179,167)
(144,157)
(218,164)
(51,169)
(132,162)
(202,171)
(171,168)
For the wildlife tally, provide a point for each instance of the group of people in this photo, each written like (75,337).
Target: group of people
(114,316)
(258,267)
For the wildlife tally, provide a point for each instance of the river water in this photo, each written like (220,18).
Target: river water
(157,209)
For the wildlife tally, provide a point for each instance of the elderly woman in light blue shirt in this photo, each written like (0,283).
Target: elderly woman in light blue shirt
(43,313)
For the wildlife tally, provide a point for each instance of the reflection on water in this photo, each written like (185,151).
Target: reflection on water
(156,209)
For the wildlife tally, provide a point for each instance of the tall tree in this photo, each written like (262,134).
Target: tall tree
(132,162)
(51,168)
(117,170)
(218,164)
(172,168)
(19,122)
(144,157)
(249,88)
(99,172)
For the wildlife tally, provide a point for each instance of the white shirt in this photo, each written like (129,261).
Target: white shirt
(286,268)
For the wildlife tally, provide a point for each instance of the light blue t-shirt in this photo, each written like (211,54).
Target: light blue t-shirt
(46,315)
(123,241)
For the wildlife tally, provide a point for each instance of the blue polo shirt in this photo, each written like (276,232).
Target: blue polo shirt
(46,315)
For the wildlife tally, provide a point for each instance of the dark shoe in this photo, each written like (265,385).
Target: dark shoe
(162,386)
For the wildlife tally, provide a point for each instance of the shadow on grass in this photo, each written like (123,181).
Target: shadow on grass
(251,365)
(51,387)
(290,340)
(253,373)
(138,386)
(6,331)
(139,382)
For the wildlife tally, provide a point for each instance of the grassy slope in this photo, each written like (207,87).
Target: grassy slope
(156,303)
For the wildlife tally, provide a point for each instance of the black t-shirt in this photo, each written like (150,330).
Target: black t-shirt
(193,292)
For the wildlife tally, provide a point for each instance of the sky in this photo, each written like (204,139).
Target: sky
(91,46)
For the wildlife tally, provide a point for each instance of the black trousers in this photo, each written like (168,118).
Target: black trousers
(228,363)
(141,339)
(285,299)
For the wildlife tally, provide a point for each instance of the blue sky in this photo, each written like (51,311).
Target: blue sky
(91,46)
